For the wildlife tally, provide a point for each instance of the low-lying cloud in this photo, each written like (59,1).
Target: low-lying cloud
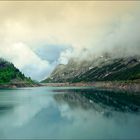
(43,34)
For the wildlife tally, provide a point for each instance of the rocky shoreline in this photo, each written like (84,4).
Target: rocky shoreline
(109,85)
(130,86)
(19,85)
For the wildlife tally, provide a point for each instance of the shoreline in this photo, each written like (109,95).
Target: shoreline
(130,86)
(17,85)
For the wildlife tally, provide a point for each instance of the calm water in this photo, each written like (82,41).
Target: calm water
(46,112)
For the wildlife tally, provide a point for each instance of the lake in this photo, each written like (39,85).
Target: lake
(69,113)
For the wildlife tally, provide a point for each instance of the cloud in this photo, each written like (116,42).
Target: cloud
(26,60)
(45,51)
(36,36)
(65,56)
(121,37)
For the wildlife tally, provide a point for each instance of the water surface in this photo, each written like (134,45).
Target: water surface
(69,113)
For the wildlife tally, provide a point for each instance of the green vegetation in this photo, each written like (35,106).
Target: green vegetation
(10,74)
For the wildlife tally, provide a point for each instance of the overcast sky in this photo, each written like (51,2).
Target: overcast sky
(36,36)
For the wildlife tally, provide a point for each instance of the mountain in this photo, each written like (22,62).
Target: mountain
(10,76)
(103,68)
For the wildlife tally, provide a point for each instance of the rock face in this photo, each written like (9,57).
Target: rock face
(10,76)
(103,68)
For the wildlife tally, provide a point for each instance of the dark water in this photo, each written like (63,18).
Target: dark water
(73,113)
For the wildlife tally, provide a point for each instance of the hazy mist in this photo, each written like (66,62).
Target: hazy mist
(37,36)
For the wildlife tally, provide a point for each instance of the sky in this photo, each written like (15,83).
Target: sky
(38,35)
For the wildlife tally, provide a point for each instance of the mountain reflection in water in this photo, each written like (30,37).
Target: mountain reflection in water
(100,99)
(68,113)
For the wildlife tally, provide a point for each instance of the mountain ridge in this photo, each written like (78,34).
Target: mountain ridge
(103,68)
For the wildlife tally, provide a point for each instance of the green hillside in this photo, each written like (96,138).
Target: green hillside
(10,75)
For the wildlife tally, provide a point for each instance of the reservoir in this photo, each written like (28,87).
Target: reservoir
(69,113)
